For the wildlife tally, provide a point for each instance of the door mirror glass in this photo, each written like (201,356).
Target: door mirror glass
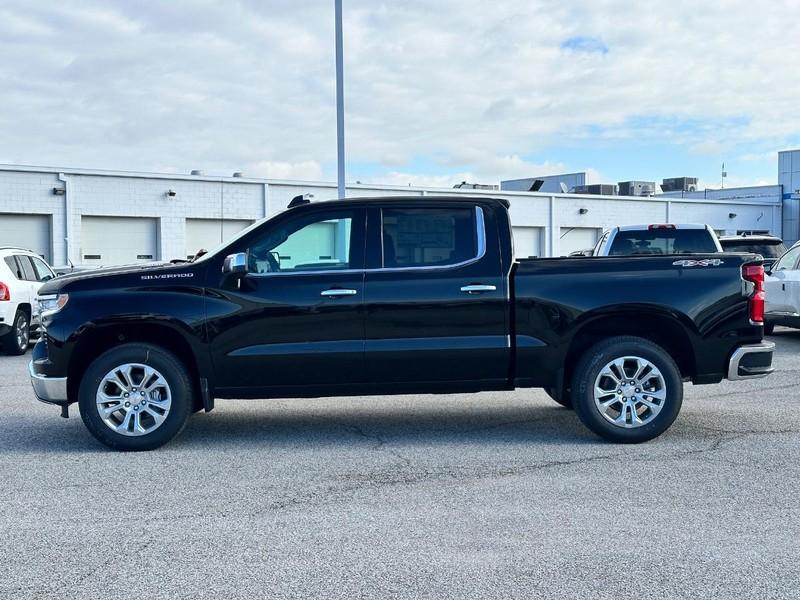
(235,264)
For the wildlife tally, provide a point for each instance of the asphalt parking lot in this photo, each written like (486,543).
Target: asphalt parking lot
(500,495)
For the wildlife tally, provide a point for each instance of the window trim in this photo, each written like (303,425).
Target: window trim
(480,230)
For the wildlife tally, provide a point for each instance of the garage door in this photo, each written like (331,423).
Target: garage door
(527,241)
(31,232)
(210,233)
(577,238)
(118,240)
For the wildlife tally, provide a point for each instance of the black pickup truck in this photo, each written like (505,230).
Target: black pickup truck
(395,295)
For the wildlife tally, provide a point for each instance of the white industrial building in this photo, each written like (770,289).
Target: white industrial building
(96,217)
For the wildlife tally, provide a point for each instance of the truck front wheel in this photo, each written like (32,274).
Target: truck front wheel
(135,397)
(627,389)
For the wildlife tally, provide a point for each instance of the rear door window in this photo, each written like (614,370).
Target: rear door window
(428,237)
(28,272)
(662,242)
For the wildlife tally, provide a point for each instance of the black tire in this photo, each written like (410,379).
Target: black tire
(565,399)
(588,370)
(171,368)
(10,341)
(769,328)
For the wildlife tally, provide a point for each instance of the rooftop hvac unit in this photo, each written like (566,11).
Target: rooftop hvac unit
(597,189)
(679,184)
(637,188)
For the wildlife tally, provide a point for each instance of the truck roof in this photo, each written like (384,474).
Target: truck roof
(671,226)
(405,199)
(751,238)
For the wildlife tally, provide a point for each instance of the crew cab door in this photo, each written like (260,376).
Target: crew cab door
(435,297)
(295,319)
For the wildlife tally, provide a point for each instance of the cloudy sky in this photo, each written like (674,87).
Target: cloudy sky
(435,92)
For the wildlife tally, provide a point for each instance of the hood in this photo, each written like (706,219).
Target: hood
(134,274)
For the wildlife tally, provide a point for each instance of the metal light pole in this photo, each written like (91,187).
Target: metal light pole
(339,102)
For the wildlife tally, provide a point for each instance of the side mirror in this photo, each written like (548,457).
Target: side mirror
(235,264)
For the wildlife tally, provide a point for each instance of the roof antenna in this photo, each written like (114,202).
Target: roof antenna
(300,200)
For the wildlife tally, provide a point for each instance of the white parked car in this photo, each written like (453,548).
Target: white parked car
(782,286)
(658,239)
(22,273)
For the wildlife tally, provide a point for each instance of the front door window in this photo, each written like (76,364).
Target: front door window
(315,243)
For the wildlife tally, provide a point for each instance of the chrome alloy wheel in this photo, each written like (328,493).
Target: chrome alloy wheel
(22,332)
(133,399)
(630,392)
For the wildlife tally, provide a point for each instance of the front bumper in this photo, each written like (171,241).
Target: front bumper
(52,390)
(751,361)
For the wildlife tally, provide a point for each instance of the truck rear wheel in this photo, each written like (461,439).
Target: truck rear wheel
(627,389)
(135,397)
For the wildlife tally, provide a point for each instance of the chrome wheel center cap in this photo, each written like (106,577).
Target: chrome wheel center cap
(628,390)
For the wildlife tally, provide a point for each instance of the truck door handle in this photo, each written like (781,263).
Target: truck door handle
(478,288)
(338,292)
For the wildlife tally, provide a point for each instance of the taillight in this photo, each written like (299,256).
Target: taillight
(5,293)
(755,275)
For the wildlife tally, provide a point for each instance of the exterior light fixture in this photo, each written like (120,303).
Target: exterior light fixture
(731,215)
(583,211)
(171,193)
(57,191)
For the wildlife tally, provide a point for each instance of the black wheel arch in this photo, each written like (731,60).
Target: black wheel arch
(94,341)
(659,327)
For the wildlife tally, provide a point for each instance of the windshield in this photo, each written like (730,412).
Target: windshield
(206,255)
(766,248)
(662,241)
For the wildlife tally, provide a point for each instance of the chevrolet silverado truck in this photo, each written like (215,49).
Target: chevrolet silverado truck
(395,296)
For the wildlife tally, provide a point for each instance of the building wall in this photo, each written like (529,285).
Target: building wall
(789,179)
(552,183)
(102,193)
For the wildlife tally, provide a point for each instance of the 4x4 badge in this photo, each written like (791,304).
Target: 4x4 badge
(705,262)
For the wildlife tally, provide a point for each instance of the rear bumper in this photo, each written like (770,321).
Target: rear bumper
(51,390)
(751,361)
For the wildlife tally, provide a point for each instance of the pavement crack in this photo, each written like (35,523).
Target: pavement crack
(379,442)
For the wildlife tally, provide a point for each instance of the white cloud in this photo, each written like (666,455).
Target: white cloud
(308,170)
(709,148)
(488,170)
(470,86)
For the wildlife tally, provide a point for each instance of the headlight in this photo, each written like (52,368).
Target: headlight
(52,303)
